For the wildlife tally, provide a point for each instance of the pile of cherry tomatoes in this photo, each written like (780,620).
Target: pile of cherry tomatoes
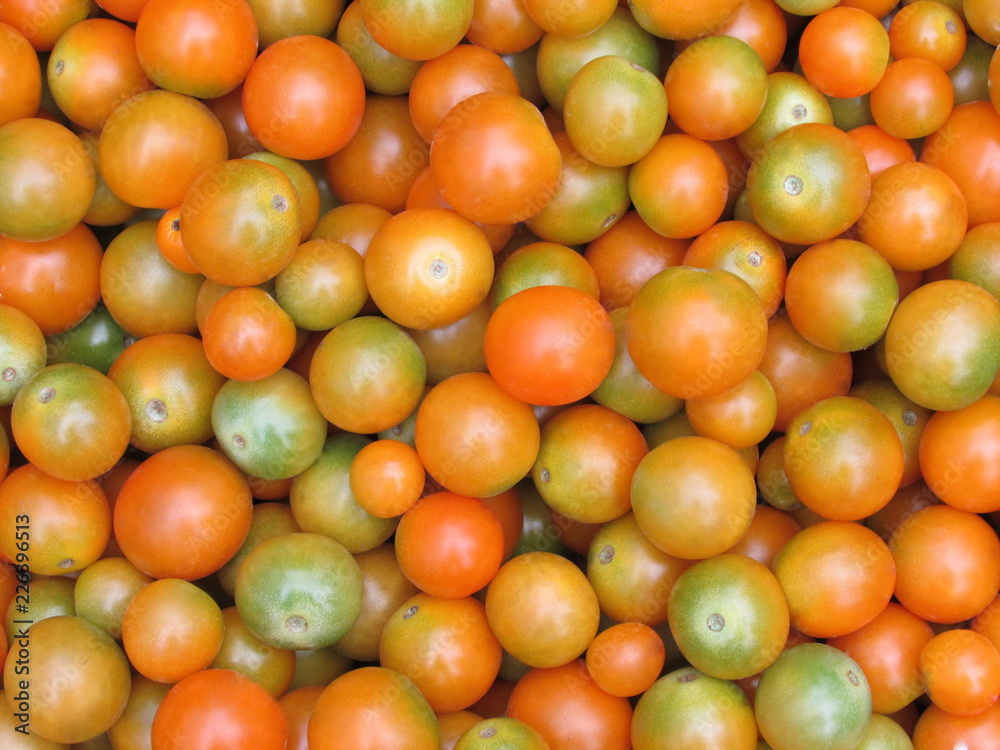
(500,374)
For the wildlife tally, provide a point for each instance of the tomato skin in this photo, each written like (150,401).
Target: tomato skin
(813,696)
(495,159)
(679,186)
(299,591)
(71,704)
(836,576)
(241,221)
(35,156)
(70,420)
(843,458)
(695,709)
(810,184)
(166,612)
(270,428)
(373,708)
(219,708)
(947,564)
(247,336)
(569,710)
(21,79)
(191,48)
(183,513)
(542,609)
(967,149)
(961,671)
(56,282)
(70,522)
(683,19)
(367,375)
(169,385)
(144,293)
(156,144)
(728,616)
(428,268)
(959,455)
(844,52)
(466,554)
(693,497)
(942,346)
(716,88)
(690,360)
(328,101)
(94,68)
(445,646)
(549,345)
(939,730)
(322,502)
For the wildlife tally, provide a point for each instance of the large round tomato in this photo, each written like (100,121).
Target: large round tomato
(182,513)
(695,333)
(303,97)
(549,345)
(299,591)
(47,177)
(810,184)
(495,159)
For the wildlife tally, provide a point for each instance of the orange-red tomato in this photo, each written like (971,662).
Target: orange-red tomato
(196,49)
(549,345)
(495,159)
(303,97)
(449,545)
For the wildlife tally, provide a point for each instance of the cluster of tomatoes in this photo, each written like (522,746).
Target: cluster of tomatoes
(500,374)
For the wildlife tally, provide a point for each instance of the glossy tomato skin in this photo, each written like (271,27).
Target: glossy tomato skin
(156,144)
(35,155)
(569,710)
(219,708)
(967,148)
(445,646)
(792,193)
(691,706)
(542,609)
(183,513)
(270,428)
(241,221)
(473,437)
(952,553)
(813,693)
(22,76)
(322,502)
(144,293)
(373,708)
(449,545)
(299,591)
(169,385)
(367,375)
(942,346)
(193,49)
(324,111)
(520,184)
(728,616)
(94,68)
(72,704)
(70,420)
(549,345)
(171,611)
(693,497)
(696,360)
